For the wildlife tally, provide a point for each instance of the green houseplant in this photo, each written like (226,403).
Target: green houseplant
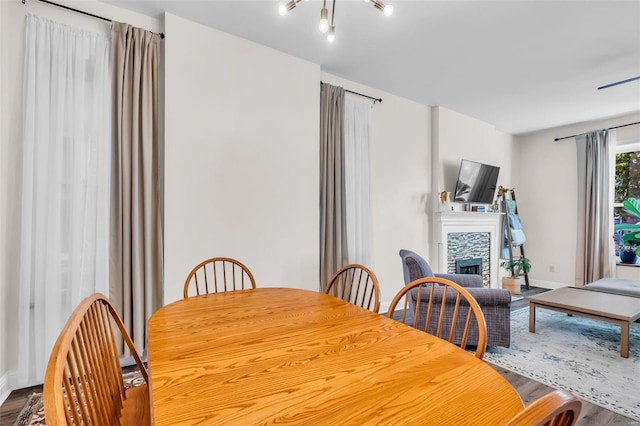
(631,237)
(516,266)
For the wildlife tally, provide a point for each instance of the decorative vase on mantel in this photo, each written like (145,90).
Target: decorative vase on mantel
(445,201)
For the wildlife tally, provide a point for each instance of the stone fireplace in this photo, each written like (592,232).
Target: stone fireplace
(469,242)
(469,253)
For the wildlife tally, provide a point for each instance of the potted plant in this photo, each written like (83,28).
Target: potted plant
(517,266)
(630,249)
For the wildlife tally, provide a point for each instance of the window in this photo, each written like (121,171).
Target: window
(627,184)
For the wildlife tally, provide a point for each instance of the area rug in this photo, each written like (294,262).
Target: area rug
(577,354)
(33,412)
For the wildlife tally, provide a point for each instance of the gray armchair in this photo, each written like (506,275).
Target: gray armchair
(495,303)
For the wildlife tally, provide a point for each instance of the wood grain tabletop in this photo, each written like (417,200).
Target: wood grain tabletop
(289,356)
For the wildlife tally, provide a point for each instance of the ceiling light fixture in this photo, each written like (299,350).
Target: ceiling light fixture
(386,9)
(325,26)
(324,20)
(332,28)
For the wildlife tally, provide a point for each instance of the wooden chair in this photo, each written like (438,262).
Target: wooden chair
(356,284)
(83,383)
(218,274)
(558,408)
(449,318)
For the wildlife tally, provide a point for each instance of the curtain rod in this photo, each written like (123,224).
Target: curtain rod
(608,128)
(80,11)
(355,93)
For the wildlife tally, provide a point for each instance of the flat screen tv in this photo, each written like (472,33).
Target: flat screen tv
(476,183)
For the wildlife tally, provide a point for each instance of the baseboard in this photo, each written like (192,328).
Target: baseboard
(5,389)
(547,284)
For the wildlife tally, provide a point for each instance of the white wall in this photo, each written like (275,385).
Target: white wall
(546,184)
(457,136)
(258,163)
(400,182)
(12,15)
(241,165)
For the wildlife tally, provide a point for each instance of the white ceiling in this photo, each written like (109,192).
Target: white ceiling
(518,65)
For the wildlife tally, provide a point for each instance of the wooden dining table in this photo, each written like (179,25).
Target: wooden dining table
(291,356)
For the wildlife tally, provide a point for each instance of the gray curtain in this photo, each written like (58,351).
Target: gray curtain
(136,230)
(596,171)
(333,237)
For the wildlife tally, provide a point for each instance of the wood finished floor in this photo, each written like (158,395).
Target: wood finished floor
(529,390)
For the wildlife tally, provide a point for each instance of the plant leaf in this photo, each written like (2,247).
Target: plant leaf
(632,205)
(626,226)
(631,239)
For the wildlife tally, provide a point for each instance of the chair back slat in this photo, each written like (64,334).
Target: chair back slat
(68,390)
(356,284)
(218,274)
(83,383)
(467,326)
(442,311)
(81,377)
(435,305)
(452,329)
(224,275)
(98,360)
(358,297)
(416,311)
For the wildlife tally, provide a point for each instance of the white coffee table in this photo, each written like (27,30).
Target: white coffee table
(614,308)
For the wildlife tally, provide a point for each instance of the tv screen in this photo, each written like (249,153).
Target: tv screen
(476,182)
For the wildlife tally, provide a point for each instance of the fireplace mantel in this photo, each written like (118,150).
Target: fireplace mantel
(461,222)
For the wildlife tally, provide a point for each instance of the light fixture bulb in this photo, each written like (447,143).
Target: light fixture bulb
(388,10)
(324,22)
(332,34)
(285,8)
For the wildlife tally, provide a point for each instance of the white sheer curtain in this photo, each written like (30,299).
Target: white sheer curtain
(357,130)
(65,195)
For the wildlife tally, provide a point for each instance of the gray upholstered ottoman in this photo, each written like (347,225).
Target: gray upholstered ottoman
(616,286)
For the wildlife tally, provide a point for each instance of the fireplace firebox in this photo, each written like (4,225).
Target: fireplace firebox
(469,266)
